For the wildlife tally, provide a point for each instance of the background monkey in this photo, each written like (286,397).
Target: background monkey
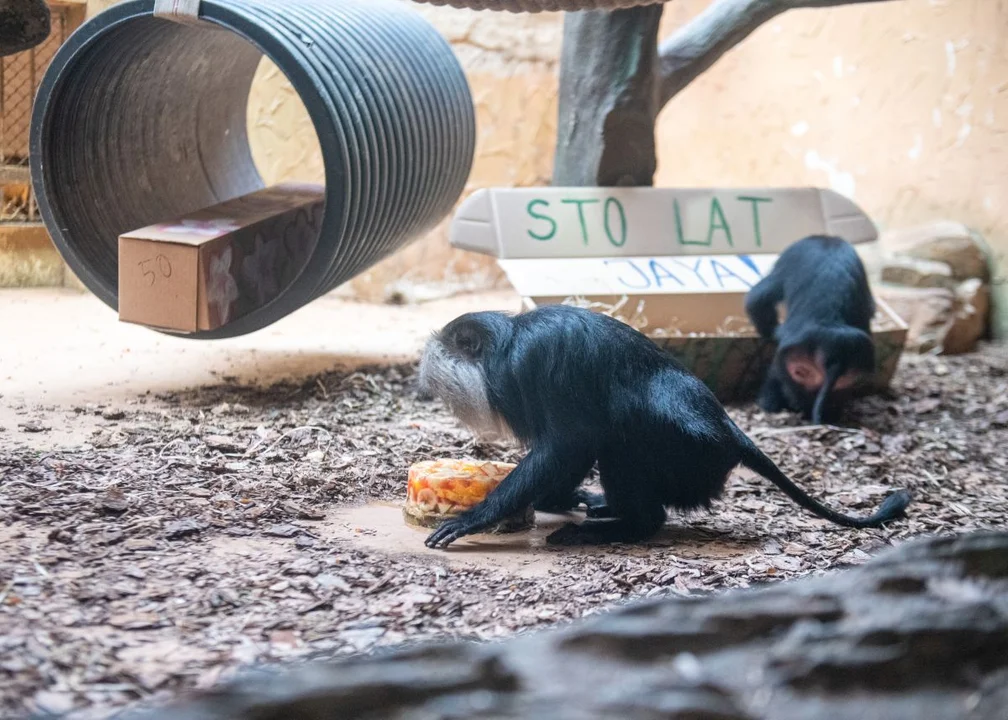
(824,344)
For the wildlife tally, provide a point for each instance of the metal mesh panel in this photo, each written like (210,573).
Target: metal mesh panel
(20,75)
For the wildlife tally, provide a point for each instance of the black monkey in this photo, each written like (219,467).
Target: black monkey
(577,387)
(824,345)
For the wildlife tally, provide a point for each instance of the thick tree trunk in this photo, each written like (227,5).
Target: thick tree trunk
(608,98)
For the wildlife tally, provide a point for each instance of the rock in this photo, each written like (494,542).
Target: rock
(33,427)
(948,242)
(282,530)
(114,501)
(23,25)
(224,444)
(113,414)
(911,272)
(919,632)
(185,527)
(970,322)
(940,320)
(999,308)
(927,312)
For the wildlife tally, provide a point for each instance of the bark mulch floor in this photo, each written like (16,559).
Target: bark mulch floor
(189,535)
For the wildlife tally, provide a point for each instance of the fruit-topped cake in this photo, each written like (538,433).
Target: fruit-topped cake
(437,490)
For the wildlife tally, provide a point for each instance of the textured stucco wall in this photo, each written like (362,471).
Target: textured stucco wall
(901,105)
(96,6)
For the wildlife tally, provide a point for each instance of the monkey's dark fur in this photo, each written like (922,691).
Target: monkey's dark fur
(578,387)
(824,345)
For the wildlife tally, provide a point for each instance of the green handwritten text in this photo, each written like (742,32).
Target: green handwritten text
(581,217)
(613,202)
(546,218)
(755,214)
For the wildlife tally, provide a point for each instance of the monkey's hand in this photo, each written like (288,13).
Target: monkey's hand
(771,397)
(451,530)
(548,467)
(761,305)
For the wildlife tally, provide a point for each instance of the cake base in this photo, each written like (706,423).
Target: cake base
(517,523)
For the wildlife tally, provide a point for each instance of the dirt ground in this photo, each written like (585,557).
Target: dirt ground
(184,534)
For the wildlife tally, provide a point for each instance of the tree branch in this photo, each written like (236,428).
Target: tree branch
(698,44)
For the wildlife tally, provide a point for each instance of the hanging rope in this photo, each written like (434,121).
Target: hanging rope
(535,6)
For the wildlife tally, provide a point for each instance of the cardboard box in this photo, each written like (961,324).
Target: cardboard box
(212,266)
(727,354)
(675,264)
(643,222)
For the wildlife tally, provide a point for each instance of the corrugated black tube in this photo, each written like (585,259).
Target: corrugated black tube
(140,119)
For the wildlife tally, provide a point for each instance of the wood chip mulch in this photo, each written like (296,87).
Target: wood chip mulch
(183,539)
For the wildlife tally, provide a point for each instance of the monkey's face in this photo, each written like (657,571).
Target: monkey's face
(808,371)
(453,368)
(804,370)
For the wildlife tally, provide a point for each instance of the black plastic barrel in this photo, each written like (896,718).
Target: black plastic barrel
(140,119)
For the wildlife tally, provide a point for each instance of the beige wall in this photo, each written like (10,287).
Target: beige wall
(902,105)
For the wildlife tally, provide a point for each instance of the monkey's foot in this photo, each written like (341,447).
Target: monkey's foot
(597,532)
(599,512)
(593,502)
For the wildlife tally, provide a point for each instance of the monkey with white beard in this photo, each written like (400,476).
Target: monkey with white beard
(577,387)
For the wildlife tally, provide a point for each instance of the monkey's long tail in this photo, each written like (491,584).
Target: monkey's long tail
(754,459)
(833,372)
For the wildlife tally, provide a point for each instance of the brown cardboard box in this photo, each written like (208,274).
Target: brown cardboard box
(674,263)
(212,266)
(720,346)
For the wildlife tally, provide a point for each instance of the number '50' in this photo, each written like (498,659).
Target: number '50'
(152,267)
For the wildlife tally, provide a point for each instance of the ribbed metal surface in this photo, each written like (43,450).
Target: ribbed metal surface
(140,119)
(535,6)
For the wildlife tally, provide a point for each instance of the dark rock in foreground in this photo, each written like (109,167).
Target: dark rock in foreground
(919,632)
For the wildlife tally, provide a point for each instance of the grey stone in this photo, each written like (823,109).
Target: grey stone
(970,323)
(941,320)
(918,632)
(913,272)
(949,242)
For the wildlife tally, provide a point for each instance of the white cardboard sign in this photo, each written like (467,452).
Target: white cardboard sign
(666,275)
(583,222)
